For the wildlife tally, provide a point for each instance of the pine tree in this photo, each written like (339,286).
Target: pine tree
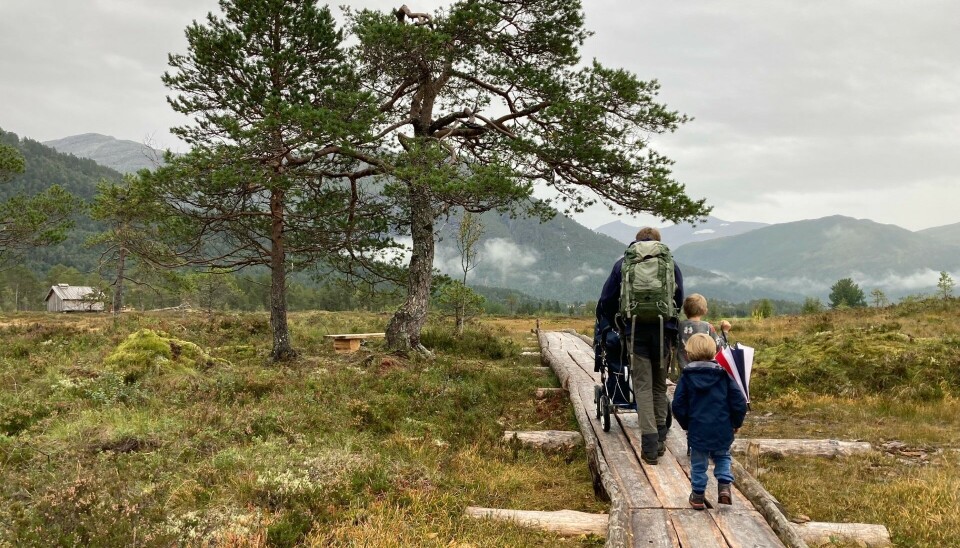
(273,100)
(484,98)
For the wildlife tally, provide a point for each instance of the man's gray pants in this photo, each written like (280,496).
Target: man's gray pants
(650,394)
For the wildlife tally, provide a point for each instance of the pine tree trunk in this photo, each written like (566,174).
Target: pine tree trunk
(118,290)
(282,348)
(403,331)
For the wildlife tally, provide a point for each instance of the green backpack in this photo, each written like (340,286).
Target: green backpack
(648,283)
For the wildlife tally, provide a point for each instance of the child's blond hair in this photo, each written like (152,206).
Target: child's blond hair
(695,305)
(701,347)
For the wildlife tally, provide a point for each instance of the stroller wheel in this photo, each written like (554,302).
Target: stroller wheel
(605,413)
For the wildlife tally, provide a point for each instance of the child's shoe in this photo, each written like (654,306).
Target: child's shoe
(724,495)
(697,501)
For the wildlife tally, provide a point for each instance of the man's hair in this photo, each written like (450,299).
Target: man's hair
(701,347)
(695,305)
(648,233)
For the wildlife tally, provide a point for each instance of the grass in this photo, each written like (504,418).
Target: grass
(887,376)
(171,428)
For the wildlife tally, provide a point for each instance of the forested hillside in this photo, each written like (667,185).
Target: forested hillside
(46,167)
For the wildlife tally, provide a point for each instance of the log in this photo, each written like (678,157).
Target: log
(801,447)
(545,393)
(549,440)
(581,336)
(564,522)
(767,505)
(861,534)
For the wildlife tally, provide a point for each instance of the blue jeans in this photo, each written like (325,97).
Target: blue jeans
(698,468)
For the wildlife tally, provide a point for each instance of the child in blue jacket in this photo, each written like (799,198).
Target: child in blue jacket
(710,407)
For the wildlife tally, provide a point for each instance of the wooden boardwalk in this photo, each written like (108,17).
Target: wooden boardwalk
(648,503)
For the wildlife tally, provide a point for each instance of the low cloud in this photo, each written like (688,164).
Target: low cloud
(506,257)
(921,280)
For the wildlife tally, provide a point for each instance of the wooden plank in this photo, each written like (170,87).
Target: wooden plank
(743,526)
(357,336)
(669,481)
(623,462)
(652,528)
(695,529)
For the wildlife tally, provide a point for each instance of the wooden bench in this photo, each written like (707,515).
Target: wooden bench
(350,342)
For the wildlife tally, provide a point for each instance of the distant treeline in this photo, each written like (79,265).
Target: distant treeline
(22,288)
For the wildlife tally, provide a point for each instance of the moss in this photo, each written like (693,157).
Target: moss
(147,351)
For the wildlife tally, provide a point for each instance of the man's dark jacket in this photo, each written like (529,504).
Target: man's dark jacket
(709,406)
(645,339)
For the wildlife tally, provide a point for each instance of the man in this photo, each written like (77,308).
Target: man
(649,365)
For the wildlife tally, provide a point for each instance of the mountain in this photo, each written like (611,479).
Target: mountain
(565,261)
(948,234)
(807,257)
(678,235)
(120,155)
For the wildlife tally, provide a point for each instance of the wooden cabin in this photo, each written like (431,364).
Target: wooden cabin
(74,298)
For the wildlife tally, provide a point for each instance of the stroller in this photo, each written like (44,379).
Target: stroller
(614,394)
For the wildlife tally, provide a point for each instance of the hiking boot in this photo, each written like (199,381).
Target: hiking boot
(697,501)
(649,448)
(662,431)
(724,496)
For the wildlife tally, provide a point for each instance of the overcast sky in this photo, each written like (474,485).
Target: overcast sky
(802,109)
